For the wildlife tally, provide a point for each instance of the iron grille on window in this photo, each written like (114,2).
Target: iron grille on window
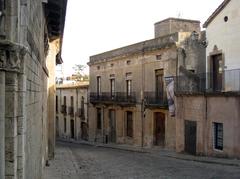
(64,109)
(71,111)
(218,136)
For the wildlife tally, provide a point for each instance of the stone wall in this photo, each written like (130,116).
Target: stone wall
(206,110)
(173,25)
(24,90)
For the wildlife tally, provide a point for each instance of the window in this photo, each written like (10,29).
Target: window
(129,126)
(82,107)
(99,117)
(158,57)
(112,85)
(128,62)
(56,103)
(159,84)
(64,100)
(129,87)
(218,135)
(225,18)
(65,124)
(98,85)
(71,101)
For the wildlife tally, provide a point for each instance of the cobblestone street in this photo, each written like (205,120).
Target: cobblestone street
(74,161)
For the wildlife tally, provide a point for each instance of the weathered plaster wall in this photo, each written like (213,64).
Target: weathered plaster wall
(77,93)
(225,34)
(206,110)
(172,25)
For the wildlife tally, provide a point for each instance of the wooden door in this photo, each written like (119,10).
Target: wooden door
(112,126)
(190,137)
(72,128)
(57,127)
(159,130)
(216,72)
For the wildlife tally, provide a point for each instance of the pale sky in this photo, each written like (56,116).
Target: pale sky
(96,26)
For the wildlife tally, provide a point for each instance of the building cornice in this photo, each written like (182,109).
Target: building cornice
(215,13)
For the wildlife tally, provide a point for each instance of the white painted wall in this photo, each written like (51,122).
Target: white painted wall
(227,38)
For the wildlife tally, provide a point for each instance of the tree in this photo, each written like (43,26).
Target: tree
(78,72)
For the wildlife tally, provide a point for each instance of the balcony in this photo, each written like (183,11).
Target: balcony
(120,98)
(71,111)
(152,99)
(64,109)
(227,81)
(80,113)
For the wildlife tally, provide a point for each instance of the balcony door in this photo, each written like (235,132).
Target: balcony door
(72,128)
(98,85)
(159,129)
(159,84)
(112,126)
(216,72)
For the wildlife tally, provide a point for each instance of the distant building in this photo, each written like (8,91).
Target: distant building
(207,121)
(128,85)
(72,111)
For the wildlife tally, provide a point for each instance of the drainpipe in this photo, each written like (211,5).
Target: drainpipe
(103,137)
(206,117)
(77,134)
(142,98)
(2,124)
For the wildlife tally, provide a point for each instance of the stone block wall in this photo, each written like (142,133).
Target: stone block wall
(172,25)
(207,110)
(23,80)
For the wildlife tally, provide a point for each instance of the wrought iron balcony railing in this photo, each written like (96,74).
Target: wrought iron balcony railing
(225,81)
(71,111)
(117,97)
(64,109)
(80,113)
(155,99)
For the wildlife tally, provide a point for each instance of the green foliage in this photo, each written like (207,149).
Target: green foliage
(78,73)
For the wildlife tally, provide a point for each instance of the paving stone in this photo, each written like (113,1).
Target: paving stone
(85,161)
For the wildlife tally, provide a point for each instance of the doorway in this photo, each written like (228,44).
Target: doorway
(57,127)
(216,72)
(159,129)
(190,137)
(72,129)
(112,126)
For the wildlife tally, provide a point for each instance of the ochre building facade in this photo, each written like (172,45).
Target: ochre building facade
(128,98)
(72,111)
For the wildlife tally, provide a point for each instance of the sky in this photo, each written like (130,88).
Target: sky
(96,26)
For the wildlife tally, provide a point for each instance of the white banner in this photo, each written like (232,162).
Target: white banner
(170,95)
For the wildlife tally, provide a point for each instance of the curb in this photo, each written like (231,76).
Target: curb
(204,161)
(121,148)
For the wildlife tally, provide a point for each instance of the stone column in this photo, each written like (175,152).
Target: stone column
(11,125)
(21,125)
(2,124)
(51,63)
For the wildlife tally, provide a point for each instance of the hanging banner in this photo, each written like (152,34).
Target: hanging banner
(170,95)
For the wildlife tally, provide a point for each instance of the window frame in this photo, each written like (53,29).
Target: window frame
(129,124)
(112,87)
(128,87)
(65,125)
(218,136)
(98,85)
(99,119)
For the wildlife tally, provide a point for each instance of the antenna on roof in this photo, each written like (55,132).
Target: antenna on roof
(179,14)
